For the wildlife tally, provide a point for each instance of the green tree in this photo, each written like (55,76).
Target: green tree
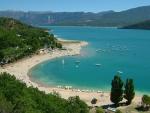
(16,97)
(117,90)
(75,105)
(18,40)
(146,102)
(129,92)
(5,106)
(59,45)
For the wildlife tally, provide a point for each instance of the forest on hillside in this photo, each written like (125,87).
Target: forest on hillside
(16,97)
(18,40)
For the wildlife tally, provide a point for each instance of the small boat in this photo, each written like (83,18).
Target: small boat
(77,61)
(120,72)
(97,64)
(98,50)
(63,61)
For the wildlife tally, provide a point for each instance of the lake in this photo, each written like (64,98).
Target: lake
(114,50)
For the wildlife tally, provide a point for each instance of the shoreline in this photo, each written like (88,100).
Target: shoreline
(72,49)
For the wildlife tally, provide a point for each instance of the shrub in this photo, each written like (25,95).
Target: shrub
(100,110)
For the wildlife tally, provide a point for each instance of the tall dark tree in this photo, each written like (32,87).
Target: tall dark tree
(117,90)
(129,92)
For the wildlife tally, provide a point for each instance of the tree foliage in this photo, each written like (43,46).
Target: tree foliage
(140,25)
(146,102)
(129,92)
(18,40)
(100,110)
(94,101)
(116,90)
(16,97)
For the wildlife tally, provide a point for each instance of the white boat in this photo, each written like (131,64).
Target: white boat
(63,61)
(77,61)
(120,72)
(98,64)
(98,50)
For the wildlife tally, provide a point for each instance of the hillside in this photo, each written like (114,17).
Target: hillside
(142,25)
(106,18)
(116,19)
(18,40)
(16,97)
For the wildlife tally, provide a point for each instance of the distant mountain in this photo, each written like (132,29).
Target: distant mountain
(106,18)
(128,17)
(53,18)
(141,25)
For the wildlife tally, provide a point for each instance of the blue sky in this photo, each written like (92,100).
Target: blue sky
(71,5)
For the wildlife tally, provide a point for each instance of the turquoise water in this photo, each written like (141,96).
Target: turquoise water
(127,51)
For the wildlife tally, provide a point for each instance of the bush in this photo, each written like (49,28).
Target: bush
(146,102)
(94,101)
(59,45)
(100,110)
(118,111)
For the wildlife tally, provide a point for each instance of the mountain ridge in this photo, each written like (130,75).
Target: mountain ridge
(142,25)
(108,18)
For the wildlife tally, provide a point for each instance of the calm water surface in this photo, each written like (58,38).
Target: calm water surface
(127,51)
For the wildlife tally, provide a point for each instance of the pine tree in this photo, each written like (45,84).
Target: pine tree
(117,90)
(129,92)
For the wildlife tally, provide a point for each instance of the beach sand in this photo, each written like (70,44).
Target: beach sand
(21,67)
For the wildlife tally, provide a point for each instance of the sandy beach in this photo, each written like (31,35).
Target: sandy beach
(20,70)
